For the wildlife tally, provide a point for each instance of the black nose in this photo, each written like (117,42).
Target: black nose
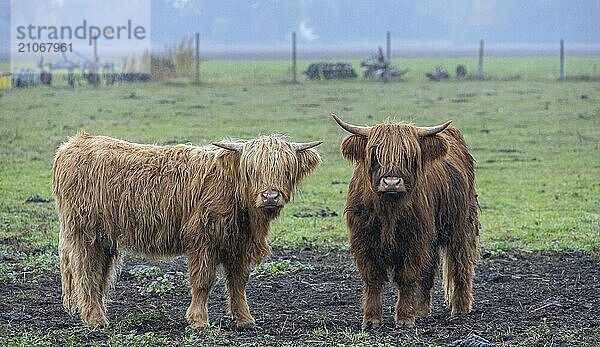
(270,197)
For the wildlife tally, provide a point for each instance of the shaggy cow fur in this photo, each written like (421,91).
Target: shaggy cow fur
(205,202)
(432,212)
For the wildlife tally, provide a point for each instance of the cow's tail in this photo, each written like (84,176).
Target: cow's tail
(448,276)
(66,275)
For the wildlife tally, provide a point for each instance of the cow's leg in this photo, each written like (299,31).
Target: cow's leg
(373,278)
(460,258)
(371,304)
(65,247)
(111,259)
(202,273)
(405,305)
(237,274)
(425,290)
(88,260)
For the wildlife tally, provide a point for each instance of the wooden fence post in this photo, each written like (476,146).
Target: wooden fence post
(294,80)
(480,68)
(562,60)
(388,46)
(94,71)
(197,79)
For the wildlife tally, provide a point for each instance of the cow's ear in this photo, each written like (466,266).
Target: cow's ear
(433,147)
(228,160)
(354,147)
(308,160)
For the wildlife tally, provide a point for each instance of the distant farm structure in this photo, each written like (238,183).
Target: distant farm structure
(77,69)
(380,68)
(180,62)
(328,71)
(91,70)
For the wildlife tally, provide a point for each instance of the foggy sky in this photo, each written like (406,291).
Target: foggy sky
(346,23)
(265,22)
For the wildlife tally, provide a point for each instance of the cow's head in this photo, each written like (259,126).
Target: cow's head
(269,169)
(393,155)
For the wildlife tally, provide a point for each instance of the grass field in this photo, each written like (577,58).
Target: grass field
(536,142)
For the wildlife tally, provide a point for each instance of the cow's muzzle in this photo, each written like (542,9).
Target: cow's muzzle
(270,200)
(391,184)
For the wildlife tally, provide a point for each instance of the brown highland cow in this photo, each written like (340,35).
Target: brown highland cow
(213,204)
(411,200)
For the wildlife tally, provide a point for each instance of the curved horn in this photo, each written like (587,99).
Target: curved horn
(232,146)
(354,129)
(428,131)
(304,146)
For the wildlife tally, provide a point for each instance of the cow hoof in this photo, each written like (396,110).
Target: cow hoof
(197,318)
(461,305)
(371,324)
(423,312)
(197,322)
(460,312)
(199,325)
(94,318)
(246,325)
(96,322)
(460,308)
(405,322)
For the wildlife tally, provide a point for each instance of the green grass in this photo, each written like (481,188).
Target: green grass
(535,141)
(80,336)
(152,280)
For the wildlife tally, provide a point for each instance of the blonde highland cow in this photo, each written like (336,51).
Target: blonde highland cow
(213,204)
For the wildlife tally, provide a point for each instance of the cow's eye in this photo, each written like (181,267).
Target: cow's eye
(374,160)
